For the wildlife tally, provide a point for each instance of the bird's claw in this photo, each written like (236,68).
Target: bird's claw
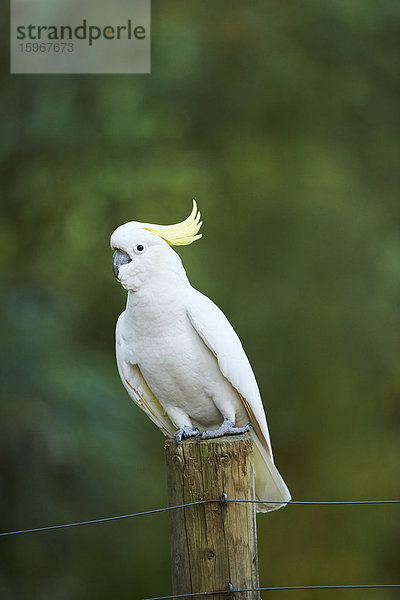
(185,432)
(227,428)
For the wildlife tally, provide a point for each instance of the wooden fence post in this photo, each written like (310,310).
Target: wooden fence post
(212,545)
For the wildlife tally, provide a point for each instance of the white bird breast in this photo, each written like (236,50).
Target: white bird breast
(179,368)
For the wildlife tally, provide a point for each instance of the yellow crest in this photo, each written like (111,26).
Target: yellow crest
(180,234)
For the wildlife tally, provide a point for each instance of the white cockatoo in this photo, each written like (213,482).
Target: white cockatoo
(177,354)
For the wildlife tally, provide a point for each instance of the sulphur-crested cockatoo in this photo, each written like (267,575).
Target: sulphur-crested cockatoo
(177,354)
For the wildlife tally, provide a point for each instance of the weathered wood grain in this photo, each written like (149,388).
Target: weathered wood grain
(213,544)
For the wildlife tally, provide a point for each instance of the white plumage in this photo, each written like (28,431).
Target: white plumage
(177,354)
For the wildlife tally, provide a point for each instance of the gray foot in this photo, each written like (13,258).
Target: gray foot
(184,433)
(227,428)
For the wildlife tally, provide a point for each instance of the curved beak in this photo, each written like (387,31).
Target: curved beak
(119,258)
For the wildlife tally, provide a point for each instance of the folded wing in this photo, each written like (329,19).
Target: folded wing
(218,334)
(137,387)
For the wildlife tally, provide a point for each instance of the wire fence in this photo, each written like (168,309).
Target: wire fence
(279,588)
(225,500)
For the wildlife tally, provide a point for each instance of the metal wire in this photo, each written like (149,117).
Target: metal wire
(275,589)
(315,502)
(105,519)
(224,500)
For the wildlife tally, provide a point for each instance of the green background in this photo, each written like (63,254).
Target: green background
(282,120)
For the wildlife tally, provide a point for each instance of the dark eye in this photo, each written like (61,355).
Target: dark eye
(139,249)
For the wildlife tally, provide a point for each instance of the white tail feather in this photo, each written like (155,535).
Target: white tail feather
(268,481)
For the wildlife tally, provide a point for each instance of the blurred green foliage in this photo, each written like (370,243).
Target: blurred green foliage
(282,120)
